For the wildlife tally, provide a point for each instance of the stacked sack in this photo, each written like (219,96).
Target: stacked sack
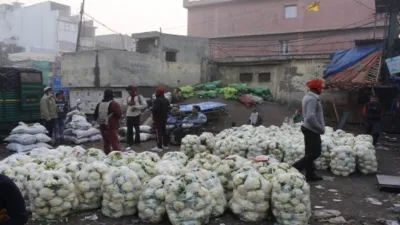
(24,138)
(79,131)
(145,133)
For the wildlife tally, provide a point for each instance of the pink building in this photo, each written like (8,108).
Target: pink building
(281,27)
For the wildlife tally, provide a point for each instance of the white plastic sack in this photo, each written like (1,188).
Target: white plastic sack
(145,129)
(42,138)
(52,196)
(121,190)
(152,199)
(15,147)
(23,139)
(145,136)
(22,128)
(251,195)
(95,138)
(86,133)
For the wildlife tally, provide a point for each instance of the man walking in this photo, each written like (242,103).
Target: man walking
(161,108)
(48,111)
(107,114)
(62,109)
(313,127)
(136,104)
(373,111)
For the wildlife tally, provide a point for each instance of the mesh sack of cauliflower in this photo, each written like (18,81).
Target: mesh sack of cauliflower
(251,195)
(144,168)
(203,160)
(48,162)
(70,167)
(276,151)
(208,140)
(322,163)
(363,138)
(15,176)
(213,185)
(230,145)
(188,201)
(65,151)
(275,169)
(16,160)
(26,174)
(258,145)
(293,152)
(52,196)
(88,185)
(38,153)
(117,158)
(260,163)
(154,157)
(166,167)
(290,200)
(191,145)
(366,158)
(121,190)
(225,171)
(152,199)
(343,161)
(341,138)
(179,157)
(91,155)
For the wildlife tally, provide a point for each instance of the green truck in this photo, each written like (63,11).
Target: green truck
(20,92)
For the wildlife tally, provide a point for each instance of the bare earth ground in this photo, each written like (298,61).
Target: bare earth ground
(346,194)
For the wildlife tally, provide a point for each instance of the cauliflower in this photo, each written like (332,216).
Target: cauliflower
(144,168)
(192,144)
(343,161)
(366,158)
(179,157)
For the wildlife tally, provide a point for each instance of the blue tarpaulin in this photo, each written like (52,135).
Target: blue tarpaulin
(343,59)
(204,106)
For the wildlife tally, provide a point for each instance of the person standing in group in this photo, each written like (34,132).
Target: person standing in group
(136,104)
(161,108)
(62,109)
(373,111)
(48,110)
(107,114)
(313,127)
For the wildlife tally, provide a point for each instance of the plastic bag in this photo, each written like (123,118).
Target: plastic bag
(145,129)
(43,138)
(23,139)
(121,190)
(96,137)
(86,133)
(15,147)
(22,128)
(145,136)
(251,195)
(152,199)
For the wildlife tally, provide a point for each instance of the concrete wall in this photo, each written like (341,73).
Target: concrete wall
(288,79)
(121,68)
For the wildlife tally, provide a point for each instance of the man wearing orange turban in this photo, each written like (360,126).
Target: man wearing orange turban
(313,127)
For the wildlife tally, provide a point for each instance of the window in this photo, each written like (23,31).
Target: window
(246,77)
(170,56)
(290,11)
(264,77)
(117,94)
(284,47)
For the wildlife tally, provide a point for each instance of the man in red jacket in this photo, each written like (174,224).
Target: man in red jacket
(107,114)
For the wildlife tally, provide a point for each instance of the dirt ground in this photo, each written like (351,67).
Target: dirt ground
(346,194)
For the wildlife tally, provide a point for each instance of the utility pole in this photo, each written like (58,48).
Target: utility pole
(78,39)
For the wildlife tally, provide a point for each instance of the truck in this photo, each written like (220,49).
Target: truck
(20,92)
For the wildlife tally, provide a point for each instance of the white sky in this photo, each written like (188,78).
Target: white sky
(130,16)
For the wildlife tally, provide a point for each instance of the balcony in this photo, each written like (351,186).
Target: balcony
(194,3)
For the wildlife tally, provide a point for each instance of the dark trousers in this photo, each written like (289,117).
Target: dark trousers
(161,133)
(373,127)
(133,122)
(312,142)
(49,125)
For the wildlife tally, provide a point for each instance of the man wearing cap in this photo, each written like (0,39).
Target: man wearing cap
(48,110)
(373,111)
(313,127)
(107,114)
(161,108)
(136,104)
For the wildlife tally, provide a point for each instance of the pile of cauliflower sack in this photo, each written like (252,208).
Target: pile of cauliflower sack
(246,170)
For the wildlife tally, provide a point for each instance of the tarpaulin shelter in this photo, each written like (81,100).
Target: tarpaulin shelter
(355,67)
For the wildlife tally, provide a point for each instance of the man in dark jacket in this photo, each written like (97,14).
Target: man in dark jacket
(12,204)
(161,108)
(373,111)
(107,114)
